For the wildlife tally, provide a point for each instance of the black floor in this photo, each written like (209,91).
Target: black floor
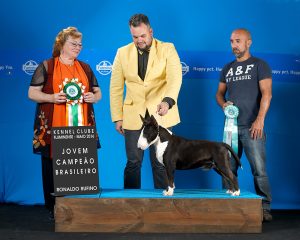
(31,222)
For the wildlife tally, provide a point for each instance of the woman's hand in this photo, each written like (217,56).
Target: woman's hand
(89,97)
(59,98)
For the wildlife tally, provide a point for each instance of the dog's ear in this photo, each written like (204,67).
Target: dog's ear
(153,120)
(147,115)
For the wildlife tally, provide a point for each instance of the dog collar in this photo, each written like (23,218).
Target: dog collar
(155,139)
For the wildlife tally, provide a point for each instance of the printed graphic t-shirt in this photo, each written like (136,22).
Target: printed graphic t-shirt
(242,81)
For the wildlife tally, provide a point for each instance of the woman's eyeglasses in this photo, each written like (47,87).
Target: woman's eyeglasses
(75,44)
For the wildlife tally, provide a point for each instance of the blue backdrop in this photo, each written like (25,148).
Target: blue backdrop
(200,31)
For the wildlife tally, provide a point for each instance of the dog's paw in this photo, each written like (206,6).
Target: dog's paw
(236,193)
(169,192)
(229,191)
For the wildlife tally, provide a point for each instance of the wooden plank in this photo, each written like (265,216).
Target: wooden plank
(158,215)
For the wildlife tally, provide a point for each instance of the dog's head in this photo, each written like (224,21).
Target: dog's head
(150,131)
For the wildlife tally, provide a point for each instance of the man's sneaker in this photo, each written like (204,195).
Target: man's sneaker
(267,217)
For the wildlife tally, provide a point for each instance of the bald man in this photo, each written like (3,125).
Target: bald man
(246,83)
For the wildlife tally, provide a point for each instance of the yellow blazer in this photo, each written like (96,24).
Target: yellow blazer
(163,79)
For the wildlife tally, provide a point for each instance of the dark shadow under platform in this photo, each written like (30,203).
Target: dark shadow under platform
(32,222)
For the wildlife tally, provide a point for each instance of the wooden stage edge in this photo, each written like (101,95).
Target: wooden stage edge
(214,213)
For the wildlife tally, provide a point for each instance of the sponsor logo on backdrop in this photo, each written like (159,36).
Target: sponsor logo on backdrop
(185,68)
(29,67)
(104,67)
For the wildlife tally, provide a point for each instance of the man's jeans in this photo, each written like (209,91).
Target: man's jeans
(132,172)
(256,154)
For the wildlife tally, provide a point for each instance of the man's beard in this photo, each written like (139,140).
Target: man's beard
(146,48)
(238,54)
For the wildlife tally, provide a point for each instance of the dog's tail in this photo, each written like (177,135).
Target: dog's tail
(235,156)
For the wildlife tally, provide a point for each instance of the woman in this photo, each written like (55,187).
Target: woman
(60,85)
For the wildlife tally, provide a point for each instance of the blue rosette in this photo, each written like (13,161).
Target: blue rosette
(230,135)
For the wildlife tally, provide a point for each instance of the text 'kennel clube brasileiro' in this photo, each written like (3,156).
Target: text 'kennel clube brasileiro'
(175,152)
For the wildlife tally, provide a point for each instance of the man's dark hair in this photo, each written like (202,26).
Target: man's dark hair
(137,19)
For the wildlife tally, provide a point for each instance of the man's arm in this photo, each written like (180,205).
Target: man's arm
(220,95)
(257,127)
(116,90)
(116,94)
(174,81)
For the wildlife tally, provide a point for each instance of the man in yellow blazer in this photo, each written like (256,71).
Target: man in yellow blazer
(151,71)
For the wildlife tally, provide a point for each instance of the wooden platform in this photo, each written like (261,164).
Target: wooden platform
(188,211)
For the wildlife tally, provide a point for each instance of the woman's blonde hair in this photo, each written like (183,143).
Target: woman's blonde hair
(62,37)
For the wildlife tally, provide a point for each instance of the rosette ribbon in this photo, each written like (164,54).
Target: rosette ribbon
(230,135)
(74,110)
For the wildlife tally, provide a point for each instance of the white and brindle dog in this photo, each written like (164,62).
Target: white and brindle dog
(175,152)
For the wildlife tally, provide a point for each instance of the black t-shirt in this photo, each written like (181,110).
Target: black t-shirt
(242,80)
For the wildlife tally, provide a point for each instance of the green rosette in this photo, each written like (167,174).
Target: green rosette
(72,90)
(230,135)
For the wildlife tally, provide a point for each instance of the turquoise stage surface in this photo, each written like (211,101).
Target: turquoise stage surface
(157,193)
